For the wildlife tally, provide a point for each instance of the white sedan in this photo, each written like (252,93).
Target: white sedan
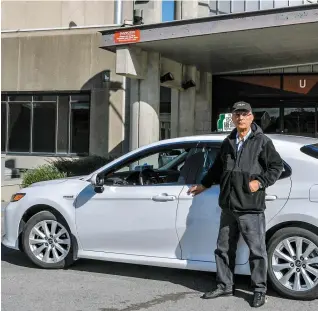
(136,210)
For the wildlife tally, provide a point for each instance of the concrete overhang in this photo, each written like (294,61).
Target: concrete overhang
(232,42)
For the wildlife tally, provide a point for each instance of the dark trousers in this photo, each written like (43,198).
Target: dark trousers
(252,228)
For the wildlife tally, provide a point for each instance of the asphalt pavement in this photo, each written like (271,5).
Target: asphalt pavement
(105,286)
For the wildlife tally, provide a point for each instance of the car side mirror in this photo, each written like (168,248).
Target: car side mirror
(98,183)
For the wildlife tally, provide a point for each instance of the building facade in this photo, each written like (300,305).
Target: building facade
(104,77)
(218,52)
(60,93)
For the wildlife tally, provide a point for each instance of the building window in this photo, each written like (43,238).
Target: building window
(45,123)
(165,113)
(20,114)
(3,125)
(44,120)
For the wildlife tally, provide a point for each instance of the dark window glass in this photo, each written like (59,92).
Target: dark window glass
(62,129)
(300,121)
(3,126)
(311,150)
(287,171)
(165,107)
(21,98)
(80,97)
(4,97)
(19,127)
(165,130)
(165,100)
(79,128)
(179,164)
(44,98)
(44,119)
(268,119)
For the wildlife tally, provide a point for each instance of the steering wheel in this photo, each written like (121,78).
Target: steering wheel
(148,176)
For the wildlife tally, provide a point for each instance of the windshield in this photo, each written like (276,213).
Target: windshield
(310,150)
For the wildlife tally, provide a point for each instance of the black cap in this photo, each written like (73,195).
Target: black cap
(241,106)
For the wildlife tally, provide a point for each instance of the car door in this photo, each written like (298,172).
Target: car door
(198,218)
(132,218)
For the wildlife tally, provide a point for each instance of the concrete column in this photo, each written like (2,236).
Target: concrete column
(189,9)
(187,104)
(99,117)
(145,102)
(152,10)
(203,104)
(178,9)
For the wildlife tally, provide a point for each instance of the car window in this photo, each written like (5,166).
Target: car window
(173,165)
(287,171)
(310,150)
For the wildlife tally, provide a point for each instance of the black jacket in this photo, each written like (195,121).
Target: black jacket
(257,159)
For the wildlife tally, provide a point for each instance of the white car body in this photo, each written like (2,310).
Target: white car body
(131,224)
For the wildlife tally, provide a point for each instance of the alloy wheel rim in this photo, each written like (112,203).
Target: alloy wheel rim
(49,241)
(295,263)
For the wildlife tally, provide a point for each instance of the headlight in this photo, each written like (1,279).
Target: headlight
(17,197)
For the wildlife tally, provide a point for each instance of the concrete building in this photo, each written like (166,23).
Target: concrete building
(76,81)
(60,94)
(218,52)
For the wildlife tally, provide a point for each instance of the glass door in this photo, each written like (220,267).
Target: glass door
(300,121)
(268,119)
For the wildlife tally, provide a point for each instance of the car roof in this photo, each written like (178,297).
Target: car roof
(219,137)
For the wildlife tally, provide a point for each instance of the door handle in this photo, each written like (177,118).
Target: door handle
(270,197)
(163,197)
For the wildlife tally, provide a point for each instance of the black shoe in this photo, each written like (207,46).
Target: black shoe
(259,299)
(217,293)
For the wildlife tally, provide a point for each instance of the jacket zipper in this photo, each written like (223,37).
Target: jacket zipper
(231,187)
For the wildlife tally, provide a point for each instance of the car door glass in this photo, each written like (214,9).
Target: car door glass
(169,166)
(209,157)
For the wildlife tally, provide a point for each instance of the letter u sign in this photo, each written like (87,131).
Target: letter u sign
(302,83)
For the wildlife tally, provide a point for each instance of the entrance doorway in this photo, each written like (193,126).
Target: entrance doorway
(283,103)
(286,116)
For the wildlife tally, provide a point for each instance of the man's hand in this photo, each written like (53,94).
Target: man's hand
(254,185)
(195,190)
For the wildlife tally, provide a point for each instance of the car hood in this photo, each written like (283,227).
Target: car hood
(57,181)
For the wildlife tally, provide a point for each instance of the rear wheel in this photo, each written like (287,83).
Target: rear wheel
(47,241)
(293,263)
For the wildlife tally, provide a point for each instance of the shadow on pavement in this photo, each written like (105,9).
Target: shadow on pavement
(194,280)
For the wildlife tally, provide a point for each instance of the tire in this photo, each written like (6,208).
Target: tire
(290,289)
(59,250)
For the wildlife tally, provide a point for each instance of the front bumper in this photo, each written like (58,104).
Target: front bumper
(11,226)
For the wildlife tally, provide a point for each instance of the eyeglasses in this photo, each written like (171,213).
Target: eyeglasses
(243,114)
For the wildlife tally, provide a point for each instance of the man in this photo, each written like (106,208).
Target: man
(245,166)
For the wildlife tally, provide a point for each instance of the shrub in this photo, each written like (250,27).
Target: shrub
(41,173)
(81,166)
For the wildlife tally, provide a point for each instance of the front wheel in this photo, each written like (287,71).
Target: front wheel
(47,241)
(293,263)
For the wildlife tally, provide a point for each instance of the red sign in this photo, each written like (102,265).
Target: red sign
(128,36)
(304,84)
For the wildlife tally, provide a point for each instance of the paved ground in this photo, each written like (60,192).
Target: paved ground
(101,286)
